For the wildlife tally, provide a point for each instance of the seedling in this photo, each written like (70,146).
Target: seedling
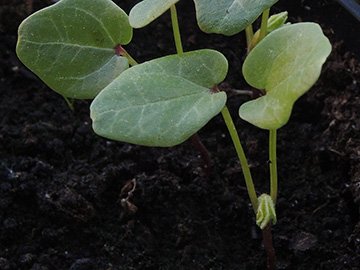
(75,46)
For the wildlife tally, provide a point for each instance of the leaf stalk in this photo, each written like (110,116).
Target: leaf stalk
(264,22)
(195,139)
(176,30)
(249,36)
(241,154)
(69,103)
(120,51)
(273,165)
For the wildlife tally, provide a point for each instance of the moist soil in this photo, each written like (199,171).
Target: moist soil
(70,199)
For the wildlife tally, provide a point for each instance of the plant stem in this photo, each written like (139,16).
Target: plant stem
(243,161)
(131,60)
(119,50)
(249,36)
(195,139)
(176,30)
(69,103)
(273,165)
(268,245)
(204,153)
(29,6)
(264,20)
(273,194)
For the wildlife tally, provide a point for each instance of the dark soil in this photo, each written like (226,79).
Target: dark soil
(67,196)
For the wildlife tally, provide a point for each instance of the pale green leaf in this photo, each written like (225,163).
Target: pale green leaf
(148,10)
(229,17)
(70,45)
(285,64)
(161,102)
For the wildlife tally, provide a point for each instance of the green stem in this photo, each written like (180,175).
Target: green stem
(273,165)
(176,29)
(264,20)
(131,60)
(69,103)
(249,36)
(119,50)
(243,161)
(204,153)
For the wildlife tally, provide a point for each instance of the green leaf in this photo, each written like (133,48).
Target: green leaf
(148,10)
(161,102)
(228,17)
(286,63)
(70,45)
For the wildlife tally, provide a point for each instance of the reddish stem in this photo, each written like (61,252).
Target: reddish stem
(269,248)
(119,50)
(205,156)
(29,7)
(195,139)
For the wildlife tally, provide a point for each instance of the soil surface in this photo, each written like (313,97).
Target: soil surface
(70,199)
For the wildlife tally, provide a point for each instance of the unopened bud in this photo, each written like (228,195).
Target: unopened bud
(266,211)
(276,21)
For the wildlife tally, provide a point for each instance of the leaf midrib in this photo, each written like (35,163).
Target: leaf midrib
(150,103)
(68,44)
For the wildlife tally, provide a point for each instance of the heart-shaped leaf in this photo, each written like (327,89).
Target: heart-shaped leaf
(228,17)
(161,102)
(286,63)
(70,45)
(146,11)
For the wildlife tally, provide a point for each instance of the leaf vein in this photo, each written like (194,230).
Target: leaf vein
(99,21)
(56,43)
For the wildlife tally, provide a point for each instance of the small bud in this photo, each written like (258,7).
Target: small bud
(276,21)
(266,211)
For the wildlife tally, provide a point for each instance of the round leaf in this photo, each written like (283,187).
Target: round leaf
(70,45)
(286,63)
(161,102)
(148,10)
(228,17)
